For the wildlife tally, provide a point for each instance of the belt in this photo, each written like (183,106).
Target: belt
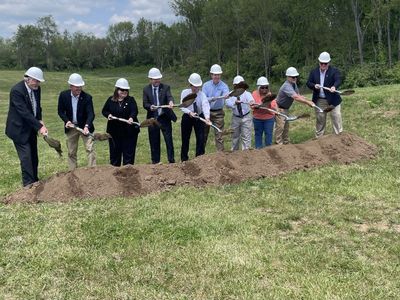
(243,115)
(216,109)
(321,97)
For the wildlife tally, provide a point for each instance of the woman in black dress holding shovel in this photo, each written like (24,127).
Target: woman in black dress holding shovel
(123,131)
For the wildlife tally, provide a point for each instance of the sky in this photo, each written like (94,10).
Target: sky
(88,16)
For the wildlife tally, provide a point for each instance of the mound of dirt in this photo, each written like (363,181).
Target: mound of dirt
(211,169)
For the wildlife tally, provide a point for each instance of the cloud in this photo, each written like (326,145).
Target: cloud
(73,25)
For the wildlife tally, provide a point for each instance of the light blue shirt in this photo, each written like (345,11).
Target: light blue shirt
(215,90)
(321,83)
(74,108)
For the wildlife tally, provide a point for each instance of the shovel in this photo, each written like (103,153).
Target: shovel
(342,93)
(95,136)
(145,123)
(287,118)
(234,93)
(53,143)
(186,101)
(205,121)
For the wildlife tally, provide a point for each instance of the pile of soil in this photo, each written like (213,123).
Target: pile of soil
(210,169)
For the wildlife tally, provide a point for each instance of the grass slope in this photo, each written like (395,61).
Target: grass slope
(329,233)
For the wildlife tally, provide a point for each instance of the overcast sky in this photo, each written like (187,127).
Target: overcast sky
(81,15)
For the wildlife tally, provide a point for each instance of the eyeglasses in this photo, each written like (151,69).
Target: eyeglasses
(323,64)
(123,90)
(294,77)
(263,87)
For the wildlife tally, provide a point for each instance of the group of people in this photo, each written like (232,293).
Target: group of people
(260,109)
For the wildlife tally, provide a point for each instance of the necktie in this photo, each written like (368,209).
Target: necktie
(195,107)
(155,101)
(33,102)
(239,108)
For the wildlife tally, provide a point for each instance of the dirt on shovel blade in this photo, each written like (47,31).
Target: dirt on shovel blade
(207,170)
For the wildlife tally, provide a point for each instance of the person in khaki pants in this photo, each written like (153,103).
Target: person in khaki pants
(75,108)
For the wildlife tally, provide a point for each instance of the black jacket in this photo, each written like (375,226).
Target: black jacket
(332,78)
(164,96)
(125,109)
(85,111)
(21,120)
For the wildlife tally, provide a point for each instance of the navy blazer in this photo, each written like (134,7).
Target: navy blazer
(164,96)
(84,113)
(332,78)
(20,120)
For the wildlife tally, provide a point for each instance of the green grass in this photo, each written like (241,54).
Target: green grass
(328,233)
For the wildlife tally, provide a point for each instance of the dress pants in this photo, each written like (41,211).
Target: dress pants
(336,118)
(123,148)
(154,139)
(242,131)
(282,128)
(72,145)
(186,130)
(29,161)
(217,118)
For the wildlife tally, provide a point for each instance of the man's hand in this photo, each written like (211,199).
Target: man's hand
(69,124)
(333,89)
(86,130)
(317,86)
(153,108)
(208,122)
(130,121)
(43,130)
(171,104)
(110,117)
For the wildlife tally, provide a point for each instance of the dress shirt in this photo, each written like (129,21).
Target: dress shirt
(246,98)
(215,90)
(74,103)
(203,106)
(322,80)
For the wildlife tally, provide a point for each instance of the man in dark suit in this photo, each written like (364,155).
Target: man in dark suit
(324,81)
(75,108)
(155,94)
(24,120)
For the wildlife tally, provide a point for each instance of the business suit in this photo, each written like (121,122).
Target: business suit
(22,126)
(84,116)
(167,115)
(324,98)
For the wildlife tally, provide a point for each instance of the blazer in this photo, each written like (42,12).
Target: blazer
(125,109)
(332,78)
(164,96)
(84,113)
(20,119)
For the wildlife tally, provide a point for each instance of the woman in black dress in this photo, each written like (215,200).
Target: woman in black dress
(124,134)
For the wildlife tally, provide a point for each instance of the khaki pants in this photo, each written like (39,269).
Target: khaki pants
(281,128)
(72,145)
(336,118)
(217,118)
(242,130)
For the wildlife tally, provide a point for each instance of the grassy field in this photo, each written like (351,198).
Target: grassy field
(328,233)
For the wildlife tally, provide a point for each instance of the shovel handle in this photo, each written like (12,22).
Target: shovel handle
(122,120)
(205,121)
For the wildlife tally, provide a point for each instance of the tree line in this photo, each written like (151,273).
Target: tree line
(250,37)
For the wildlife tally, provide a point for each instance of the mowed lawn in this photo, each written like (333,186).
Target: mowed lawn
(327,233)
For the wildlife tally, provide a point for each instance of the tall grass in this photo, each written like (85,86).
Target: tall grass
(328,233)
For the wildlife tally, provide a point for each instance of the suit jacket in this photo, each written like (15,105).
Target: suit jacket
(164,96)
(84,113)
(332,78)
(21,122)
(125,109)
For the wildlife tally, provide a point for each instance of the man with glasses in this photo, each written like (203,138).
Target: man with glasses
(75,108)
(288,93)
(24,122)
(156,94)
(324,81)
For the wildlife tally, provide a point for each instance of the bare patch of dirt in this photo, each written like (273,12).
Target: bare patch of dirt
(210,169)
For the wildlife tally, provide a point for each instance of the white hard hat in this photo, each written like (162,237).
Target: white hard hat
(76,80)
(262,81)
(324,57)
(238,79)
(122,83)
(291,71)
(215,69)
(195,80)
(35,73)
(154,73)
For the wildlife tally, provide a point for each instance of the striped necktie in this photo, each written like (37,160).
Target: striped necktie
(33,102)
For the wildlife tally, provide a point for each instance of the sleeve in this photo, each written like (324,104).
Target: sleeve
(133,109)
(18,101)
(230,102)
(338,78)
(311,81)
(61,109)
(183,94)
(288,90)
(106,108)
(90,111)
(169,95)
(146,100)
(205,106)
